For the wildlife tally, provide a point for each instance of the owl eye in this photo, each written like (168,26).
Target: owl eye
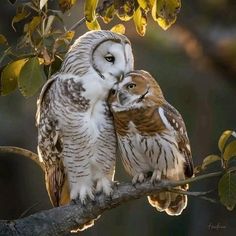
(110,58)
(131,86)
(113,91)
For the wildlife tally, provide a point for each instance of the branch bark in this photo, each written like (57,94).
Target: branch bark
(23,152)
(61,220)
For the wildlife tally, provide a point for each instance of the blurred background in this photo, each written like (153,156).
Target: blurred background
(195,64)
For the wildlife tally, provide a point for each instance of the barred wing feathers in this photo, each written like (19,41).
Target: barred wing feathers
(176,121)
(50,144)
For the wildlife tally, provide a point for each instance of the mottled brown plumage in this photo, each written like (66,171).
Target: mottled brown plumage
(152,137)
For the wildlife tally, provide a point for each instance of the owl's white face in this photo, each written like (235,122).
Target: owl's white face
(111,60)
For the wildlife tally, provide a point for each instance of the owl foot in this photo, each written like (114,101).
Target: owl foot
(156,176)
(139,178)
(104,185)
(84,192)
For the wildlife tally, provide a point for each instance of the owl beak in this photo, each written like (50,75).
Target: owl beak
(121,77)
(122,98)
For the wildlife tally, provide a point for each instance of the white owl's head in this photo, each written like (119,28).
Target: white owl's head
(106,53)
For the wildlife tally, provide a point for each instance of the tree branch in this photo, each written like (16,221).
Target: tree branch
(63,219)
(23,152)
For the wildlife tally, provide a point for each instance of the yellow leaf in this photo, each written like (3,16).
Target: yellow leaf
(3,39)
(108,14)
(223,139)
(140,20)
(66,5)
(70,35)
(30,27)
(143,4)
(120,29)
(230,151)
(126,11)
(10,75)
(209,160)
(164,12)
(21,15)
(90,10)
(94,25)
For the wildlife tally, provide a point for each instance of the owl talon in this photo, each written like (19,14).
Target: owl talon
(73,202)
(139,178)
(84,193)
(104,185)
(156,176)
(115,184)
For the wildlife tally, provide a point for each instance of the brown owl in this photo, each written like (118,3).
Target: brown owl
(152,137)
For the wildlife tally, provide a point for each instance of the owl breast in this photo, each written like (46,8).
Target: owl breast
(86,124)
(144,153)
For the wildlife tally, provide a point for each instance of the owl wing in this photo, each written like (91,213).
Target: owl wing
(176,121)
(50,144)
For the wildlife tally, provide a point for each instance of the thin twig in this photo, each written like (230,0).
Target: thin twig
(195,179)
(23,152)
(77,24)
(25,212)
(194,194)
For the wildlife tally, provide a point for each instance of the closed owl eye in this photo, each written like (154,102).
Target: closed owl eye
(110,58)
(131,86)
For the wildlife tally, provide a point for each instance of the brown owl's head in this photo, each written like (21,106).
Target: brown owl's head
(138,89)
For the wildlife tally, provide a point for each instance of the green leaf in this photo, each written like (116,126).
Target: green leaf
(94,25)
(230,151)
(164,12)
(90,10)
(120,29)
(223,139)
(227,190)
(209,160)
(31,77)
(10,75)
(140,21)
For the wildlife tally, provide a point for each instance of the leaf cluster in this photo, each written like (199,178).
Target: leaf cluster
(45,40)
(226,159)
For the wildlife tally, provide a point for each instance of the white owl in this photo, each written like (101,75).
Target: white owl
(76,138)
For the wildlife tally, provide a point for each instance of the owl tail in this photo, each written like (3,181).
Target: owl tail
(172,203)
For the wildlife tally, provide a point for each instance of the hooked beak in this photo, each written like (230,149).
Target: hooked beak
(122,97)
(120,78)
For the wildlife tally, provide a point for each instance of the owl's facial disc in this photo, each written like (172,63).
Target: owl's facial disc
(129,93)
(111,60)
